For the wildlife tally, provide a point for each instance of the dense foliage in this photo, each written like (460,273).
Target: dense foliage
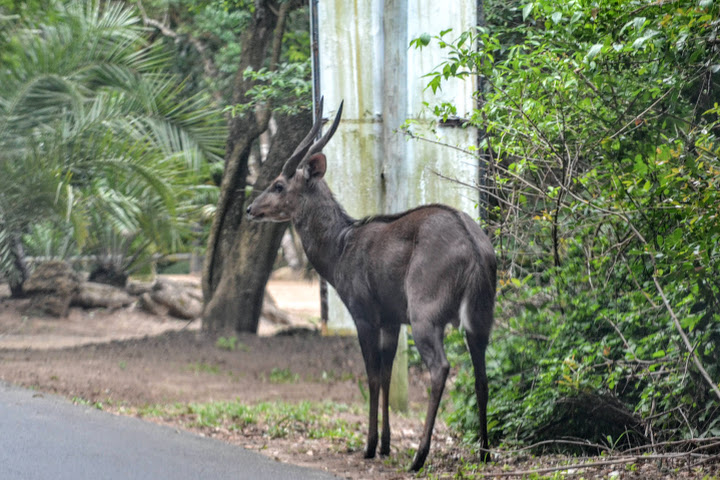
(102,149)
(602,128)
(206,38)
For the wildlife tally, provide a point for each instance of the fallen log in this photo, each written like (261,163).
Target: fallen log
(151,306)
(179,303)
(100,295)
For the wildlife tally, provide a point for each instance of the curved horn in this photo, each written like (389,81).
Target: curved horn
(318,146)
(292,162)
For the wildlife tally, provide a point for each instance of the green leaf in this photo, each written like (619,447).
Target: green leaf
(527,9)
(640,168)
(674,238)
(593,52)
(638,44)
(689,322)
(638,22)
(435,83)
(463,38)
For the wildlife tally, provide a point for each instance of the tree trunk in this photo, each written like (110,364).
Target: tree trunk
(244,130)
(236,295)
(240,254)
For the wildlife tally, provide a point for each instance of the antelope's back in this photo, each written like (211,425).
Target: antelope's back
(453,250)
(432,253)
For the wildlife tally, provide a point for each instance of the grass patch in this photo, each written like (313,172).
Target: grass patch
(273,419)
(283,375)
(332,376)
(201,367)
(230,344)
(234,415)
(82,401)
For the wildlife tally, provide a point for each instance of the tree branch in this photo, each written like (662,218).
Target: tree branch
(264,113)
(208,64)
(685,338)
(604,463)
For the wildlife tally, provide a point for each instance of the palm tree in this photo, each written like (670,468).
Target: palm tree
(95,136)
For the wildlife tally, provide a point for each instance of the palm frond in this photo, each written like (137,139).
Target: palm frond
(97,137)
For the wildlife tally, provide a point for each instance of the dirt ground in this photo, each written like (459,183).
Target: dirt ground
(127,360)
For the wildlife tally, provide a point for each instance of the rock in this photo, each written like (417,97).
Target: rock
(51,288)
(178,301)
(137,288)
(100,295)
(151,306)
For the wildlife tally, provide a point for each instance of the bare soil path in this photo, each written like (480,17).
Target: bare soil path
(128,360)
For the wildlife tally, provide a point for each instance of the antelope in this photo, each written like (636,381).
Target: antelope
(428,267)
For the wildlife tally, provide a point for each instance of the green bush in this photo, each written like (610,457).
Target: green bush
(602,144)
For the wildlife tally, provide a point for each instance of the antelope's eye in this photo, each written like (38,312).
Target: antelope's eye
(278,187)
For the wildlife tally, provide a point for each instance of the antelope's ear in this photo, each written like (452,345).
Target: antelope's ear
(315,167)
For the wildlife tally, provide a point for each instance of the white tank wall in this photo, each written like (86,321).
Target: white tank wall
(432,17)
(372,168)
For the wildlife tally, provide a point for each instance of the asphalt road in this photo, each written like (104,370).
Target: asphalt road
(47,437)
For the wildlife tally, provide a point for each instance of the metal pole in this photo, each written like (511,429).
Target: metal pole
(397,164)
(315,54)
(484,155)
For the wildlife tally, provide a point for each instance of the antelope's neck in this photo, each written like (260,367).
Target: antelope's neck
(323,227)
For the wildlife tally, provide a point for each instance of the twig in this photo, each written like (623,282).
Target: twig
(637,284)
(622,337)
(476,187)
(687,422)
(188,323)
(675,443)
(637,117)
(578,466)
(651,4)
(700,462)
(208,64)
(684,337)
(556,442)
(498,166)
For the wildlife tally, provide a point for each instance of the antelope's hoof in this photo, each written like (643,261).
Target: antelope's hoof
(485,456)
(418,463)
